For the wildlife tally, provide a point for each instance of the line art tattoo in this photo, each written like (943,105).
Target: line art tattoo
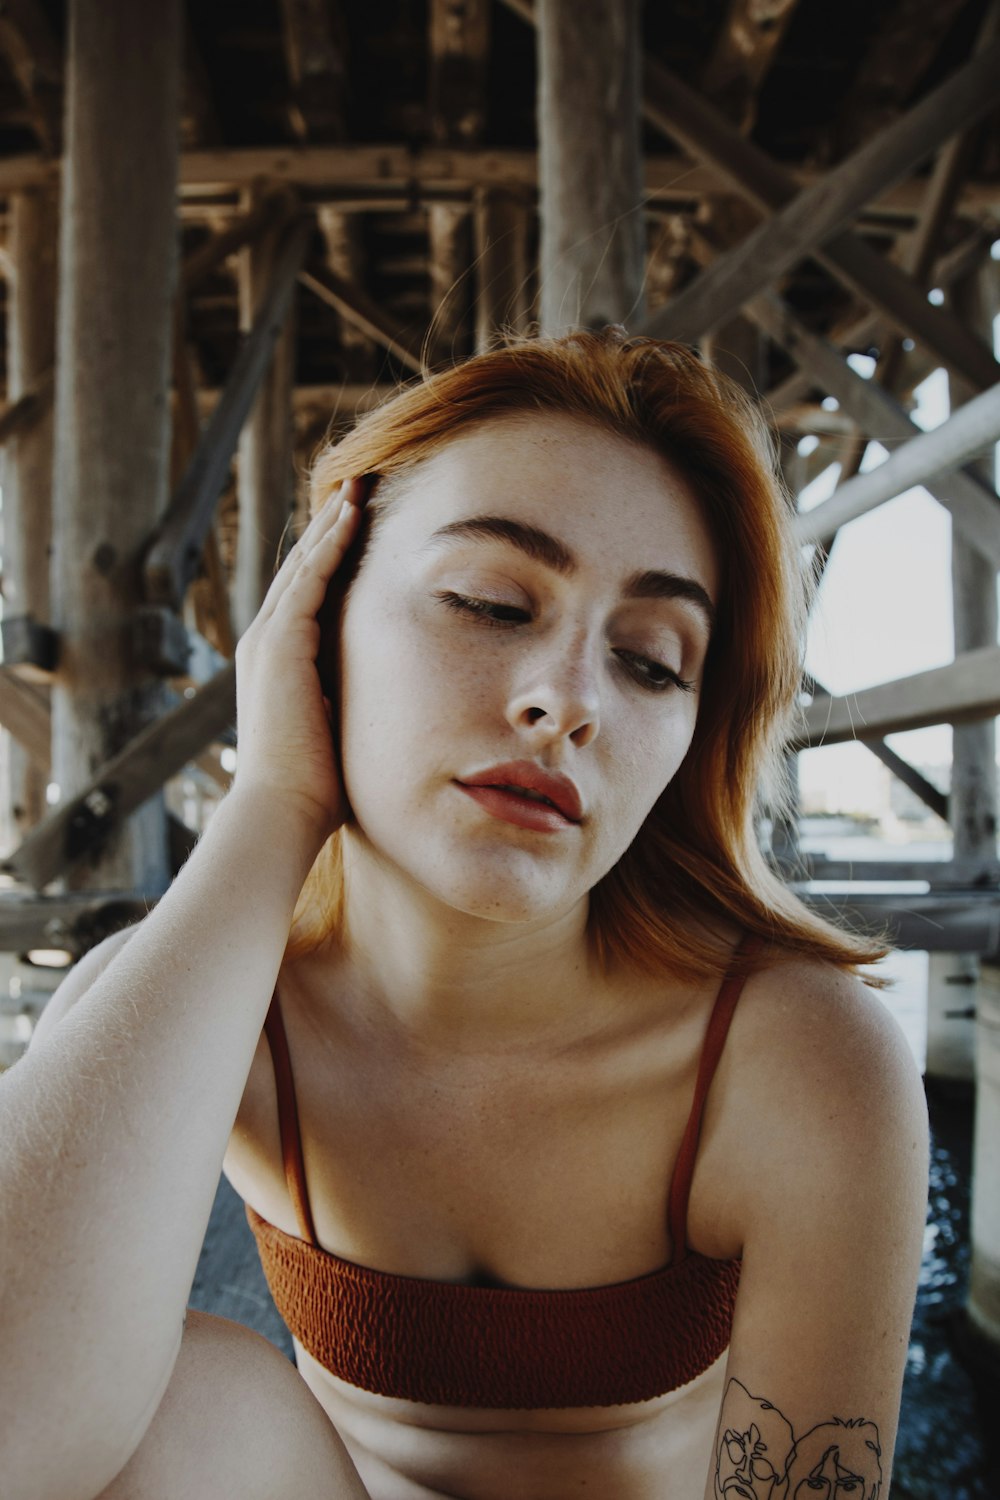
(758,1456)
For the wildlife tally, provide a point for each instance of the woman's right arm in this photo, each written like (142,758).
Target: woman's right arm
(115,1123)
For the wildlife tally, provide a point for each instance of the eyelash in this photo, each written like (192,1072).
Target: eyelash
(508,617)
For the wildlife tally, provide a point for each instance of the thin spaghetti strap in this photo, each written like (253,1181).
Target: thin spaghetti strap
(715,1039)
(288,1120)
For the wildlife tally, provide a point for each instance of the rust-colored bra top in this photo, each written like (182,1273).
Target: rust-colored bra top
(504,1347)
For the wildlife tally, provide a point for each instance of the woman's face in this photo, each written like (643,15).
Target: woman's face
(530,620)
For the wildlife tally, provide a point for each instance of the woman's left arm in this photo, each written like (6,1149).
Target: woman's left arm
(834,1206)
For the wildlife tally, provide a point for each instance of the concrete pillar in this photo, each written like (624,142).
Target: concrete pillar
(27,483)
(117,274)
(592,231)
(265,477)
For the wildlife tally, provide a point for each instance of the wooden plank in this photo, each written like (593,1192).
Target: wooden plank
(315,42)
(29,46)
(741,58)
(25,713)
(75,921)
(268,212)
(363,312)
(938,923)
(679,111)
(941,874)
(125,782)
(501,260)
(448,233)
(974,507)
(592,243)
(459,41)
(924,459)
(818,213)
(172,560)
(961,692)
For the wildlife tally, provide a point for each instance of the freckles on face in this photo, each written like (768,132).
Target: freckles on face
(537,592)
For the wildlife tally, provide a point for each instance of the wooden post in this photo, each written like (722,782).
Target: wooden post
(264,467)
(974,821)
(27,489)
(592,229)
(502,273)
(118,264)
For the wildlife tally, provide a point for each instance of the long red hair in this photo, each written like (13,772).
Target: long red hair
(697,855)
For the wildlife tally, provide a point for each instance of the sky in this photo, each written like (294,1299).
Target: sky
(884,606)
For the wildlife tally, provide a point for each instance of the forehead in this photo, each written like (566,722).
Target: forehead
(610,500)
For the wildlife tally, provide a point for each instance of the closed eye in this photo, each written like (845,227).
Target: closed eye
(486,610)
(653,674)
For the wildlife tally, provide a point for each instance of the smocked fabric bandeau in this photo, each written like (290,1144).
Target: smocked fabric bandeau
(508,1348)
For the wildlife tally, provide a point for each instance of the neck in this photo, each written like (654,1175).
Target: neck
(464,982)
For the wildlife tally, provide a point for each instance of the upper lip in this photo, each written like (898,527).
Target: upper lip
(560,791)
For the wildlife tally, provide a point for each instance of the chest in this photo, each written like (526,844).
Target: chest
(548,1170)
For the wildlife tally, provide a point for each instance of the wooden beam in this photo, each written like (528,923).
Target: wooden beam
(974,508)
(315,40)
(25,714)
(741,58)
(459,37)
(965,690)
(818,213)
(940,874)
(676,109)
(29,46)
(172,560)
(967,922)
(268,213)
(501,260)
(592,248)
(75,920)
(21,414)
(363,312)
(124,783)
(448,232)
(922,460)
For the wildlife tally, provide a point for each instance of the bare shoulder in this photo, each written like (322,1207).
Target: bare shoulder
(816,1083)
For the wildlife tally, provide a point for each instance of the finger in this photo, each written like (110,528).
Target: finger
(306,588)
(351,492)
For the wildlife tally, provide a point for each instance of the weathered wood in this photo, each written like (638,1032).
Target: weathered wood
(75,921)
(26,715)
(922,460)
(818,213)
(896,58)
(268,212)
(315,40)
(345,257)
(363,312)
(676,109)
(126,781)
(24,413)
(117,280)
(961,923)
(974,611)
(502,267)
(459,37)
(265,483)
(940,874)
(965,690)
(746,46)
(975,508)
(27,482)
(448,234)
(32,53)
(173,558)
(592,232)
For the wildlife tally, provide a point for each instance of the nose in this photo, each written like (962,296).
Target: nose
(557,697)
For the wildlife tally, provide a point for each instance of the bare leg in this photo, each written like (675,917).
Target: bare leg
(236,1419)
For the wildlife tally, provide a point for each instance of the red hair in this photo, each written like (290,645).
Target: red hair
(697,855)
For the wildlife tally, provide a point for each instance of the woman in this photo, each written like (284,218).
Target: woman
(579,1159)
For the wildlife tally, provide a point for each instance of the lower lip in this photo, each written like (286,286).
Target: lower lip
(523,812)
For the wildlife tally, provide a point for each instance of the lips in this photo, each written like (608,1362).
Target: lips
(524,779)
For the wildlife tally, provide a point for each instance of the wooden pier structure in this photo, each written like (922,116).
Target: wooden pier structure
(227,230)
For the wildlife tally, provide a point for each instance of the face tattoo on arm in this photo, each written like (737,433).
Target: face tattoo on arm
(759,1458)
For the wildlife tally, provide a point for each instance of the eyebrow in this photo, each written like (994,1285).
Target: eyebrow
(651,583)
